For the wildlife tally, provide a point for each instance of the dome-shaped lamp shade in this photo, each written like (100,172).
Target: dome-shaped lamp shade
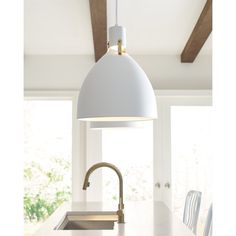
(116,89)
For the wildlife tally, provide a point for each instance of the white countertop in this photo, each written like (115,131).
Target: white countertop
(142,219)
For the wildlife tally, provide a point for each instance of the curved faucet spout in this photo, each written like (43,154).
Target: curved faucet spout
(113,167)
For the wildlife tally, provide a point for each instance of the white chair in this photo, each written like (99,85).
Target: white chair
(191,210)
(208,225)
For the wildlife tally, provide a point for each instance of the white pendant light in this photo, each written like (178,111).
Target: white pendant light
(115,124)
(116,88)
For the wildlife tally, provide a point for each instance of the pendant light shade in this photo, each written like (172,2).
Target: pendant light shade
(116,89)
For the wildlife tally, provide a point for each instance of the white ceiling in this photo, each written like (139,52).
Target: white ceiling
(156,27)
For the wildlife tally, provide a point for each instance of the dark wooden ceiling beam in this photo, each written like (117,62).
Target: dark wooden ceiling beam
(98,13)
(199,35)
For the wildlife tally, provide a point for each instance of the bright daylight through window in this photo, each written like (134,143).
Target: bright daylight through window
(47,159)
(131,150)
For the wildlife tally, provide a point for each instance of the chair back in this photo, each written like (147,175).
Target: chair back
(191,210)
(208,225)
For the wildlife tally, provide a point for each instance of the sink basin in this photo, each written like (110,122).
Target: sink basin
(78,220)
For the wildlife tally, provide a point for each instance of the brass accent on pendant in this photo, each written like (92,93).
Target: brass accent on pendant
(119,47)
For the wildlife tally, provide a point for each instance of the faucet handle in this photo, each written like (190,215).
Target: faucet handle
(121,216)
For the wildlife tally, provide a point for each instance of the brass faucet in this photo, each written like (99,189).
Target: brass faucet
(120,212)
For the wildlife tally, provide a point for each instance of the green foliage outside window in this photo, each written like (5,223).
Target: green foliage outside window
(46,188)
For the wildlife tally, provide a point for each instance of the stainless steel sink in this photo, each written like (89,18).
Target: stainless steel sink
(77,220)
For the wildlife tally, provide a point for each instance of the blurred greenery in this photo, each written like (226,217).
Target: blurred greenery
(46,188)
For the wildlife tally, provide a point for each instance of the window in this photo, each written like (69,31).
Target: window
(131,150)
(191,157)
(47,159)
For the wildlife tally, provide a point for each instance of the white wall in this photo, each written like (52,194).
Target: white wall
(67,72)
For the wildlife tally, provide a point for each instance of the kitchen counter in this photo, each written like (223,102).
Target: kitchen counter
(142,219)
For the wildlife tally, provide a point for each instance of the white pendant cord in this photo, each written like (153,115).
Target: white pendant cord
(116,12)
(117,34)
